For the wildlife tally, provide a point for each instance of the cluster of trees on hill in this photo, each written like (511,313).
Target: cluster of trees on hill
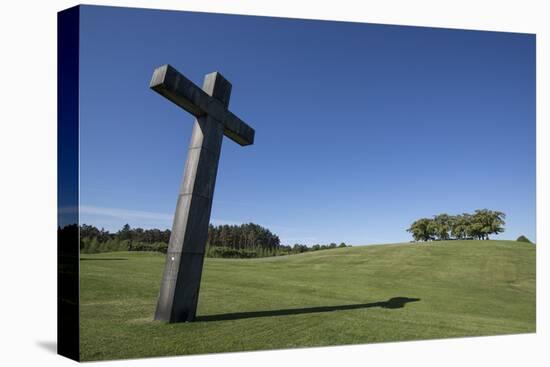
(479,225)
(242,241)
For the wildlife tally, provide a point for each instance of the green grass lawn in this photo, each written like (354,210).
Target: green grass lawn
(330,297)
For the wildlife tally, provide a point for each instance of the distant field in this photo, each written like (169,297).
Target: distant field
(331,297)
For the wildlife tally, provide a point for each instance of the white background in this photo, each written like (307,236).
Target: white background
(28,182)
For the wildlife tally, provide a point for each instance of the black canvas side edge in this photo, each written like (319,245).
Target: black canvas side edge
(68,248)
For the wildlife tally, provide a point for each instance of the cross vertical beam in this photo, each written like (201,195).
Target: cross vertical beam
(180,285)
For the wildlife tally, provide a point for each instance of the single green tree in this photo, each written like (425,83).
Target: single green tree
(441,226)
(522,238)
(422,229)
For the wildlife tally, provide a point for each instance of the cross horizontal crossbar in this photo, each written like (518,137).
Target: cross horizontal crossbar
(170,83)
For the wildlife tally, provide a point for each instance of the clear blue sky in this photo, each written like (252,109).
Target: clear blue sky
(360,128)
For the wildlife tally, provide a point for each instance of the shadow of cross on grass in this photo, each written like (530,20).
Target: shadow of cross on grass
(392,303)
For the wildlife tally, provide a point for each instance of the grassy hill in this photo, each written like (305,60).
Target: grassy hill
(334,297)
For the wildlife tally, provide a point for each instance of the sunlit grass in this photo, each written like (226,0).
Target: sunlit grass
(332,297)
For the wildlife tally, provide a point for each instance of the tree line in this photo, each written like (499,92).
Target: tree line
(234,241)
(252,240)
(94,240)
(479,225)
(244,236)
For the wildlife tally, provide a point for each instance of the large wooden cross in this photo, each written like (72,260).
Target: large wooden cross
(179,290)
